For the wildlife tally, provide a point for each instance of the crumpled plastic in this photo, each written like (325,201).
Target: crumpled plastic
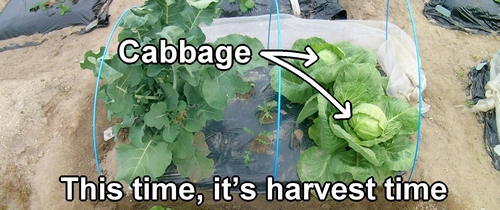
(492,87)
(484,89)
(16,19)
(310,9)
(474,16)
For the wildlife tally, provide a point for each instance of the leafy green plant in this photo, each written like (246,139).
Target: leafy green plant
(266,109)
(264,133)
(248,131)
(368,121)
(260,136)
(245,5)
(166,106)
(58,4)
(246,158)
(262,141)
(41,5)
(63,9)
(375,141)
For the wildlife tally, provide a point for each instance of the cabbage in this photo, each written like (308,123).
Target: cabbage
(375,141)
(327,56)
(368,121)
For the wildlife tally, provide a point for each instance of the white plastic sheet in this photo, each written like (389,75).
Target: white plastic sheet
(396,56)
(492,91)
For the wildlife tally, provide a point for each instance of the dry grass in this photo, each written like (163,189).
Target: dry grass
(15,192)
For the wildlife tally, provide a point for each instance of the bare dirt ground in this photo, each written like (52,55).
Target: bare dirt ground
(46,115)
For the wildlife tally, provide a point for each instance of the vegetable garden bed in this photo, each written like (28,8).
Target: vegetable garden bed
(195,121)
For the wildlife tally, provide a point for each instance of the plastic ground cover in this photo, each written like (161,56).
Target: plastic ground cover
(482,80)
(310,9)
(475,16)
(26,17)
(227,139)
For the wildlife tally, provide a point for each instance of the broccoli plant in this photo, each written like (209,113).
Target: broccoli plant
(165,106)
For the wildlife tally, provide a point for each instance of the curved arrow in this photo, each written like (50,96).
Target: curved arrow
(310,57)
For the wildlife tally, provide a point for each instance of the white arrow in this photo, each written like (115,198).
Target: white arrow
(276,56)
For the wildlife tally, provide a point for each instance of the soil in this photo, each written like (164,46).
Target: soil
(247,95)
(262,146)
(297,138)
(47,104)
(267,120)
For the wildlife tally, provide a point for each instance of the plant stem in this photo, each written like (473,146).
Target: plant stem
(140,88)
(147,97)
(174,83)
(139,34)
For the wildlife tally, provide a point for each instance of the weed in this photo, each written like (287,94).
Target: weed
(15,192)
(266,110)
(262,141)
(245,5)
(469,104)
(264,134)
(461,76)
(246,158)
(248,131)
(63,9)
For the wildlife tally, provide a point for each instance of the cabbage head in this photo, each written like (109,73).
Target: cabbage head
(368,121)
(328,56)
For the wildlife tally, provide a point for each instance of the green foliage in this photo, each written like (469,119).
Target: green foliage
(342,57)
(258,137)
(245,5)
(166,106)
(262,141)
(248,131)
(246,157)
(375,141)
(368,121)
(266,110)
(268,106)
(63,9)
(61,5)
(264,133)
